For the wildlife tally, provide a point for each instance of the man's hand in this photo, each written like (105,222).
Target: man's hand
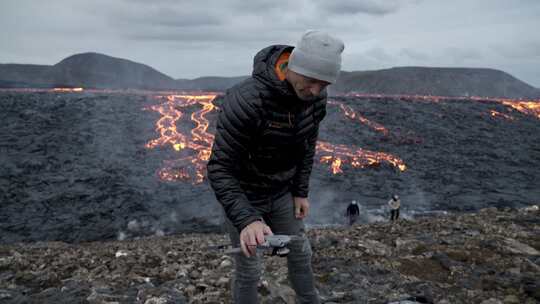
(253,235)
(301,207)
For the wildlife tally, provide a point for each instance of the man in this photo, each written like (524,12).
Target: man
(263,154)
(394,204)
(353,212)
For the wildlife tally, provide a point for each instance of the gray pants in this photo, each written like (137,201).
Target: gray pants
(278,213)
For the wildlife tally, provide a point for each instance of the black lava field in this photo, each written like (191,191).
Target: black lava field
(92,165)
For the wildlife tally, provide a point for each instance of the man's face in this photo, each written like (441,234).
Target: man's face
(306,88)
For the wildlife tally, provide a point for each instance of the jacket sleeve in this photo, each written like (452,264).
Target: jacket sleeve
(235,128)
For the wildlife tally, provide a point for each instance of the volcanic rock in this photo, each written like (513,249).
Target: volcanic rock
(74,167)
(182,268)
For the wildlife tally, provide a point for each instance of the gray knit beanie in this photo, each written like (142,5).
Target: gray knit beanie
(317,55)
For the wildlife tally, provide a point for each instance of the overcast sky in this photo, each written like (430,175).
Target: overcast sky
(188,39)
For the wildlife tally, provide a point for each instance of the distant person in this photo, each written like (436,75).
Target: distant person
(394,203)
(353,212)
(262,156)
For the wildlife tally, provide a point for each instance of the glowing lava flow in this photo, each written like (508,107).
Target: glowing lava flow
(525,107)
(499,114)
(351,114)
(337,155)
(528,107)
(195,149)
(192,165)
(67,90)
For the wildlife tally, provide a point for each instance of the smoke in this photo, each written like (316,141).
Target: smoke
(417,200)
(173,216)
(374,218)
(329,202)
(137,228)
(133,225)
(121,236)
(323,209)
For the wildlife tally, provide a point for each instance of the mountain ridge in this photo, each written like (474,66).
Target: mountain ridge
(100,71)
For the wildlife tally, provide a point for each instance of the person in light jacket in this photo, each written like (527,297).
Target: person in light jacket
(394,203)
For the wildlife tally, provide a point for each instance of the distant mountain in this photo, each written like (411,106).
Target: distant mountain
(93,70)
(102,71)
(211,83)
(6,84)
(25,75)
(89,70)
(435,81)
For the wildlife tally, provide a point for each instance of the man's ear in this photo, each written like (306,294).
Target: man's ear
(287,74)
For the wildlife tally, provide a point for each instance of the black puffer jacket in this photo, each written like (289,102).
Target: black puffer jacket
(264,142)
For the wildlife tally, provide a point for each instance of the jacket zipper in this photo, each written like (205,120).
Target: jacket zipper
(290,122)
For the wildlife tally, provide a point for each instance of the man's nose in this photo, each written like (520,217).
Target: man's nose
(316,89)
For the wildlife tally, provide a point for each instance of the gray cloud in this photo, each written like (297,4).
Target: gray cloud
(165,13)
(258,7)
(204,34)
(211,21)
(379,54)
(527,49)
(461,55)
(369,7)
(188,39)
(414,54)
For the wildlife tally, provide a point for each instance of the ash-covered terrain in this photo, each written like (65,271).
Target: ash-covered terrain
(76,166)
(489,257)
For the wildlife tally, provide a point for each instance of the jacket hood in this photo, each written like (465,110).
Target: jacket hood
(263,69)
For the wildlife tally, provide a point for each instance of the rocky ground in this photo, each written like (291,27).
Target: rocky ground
(488,257)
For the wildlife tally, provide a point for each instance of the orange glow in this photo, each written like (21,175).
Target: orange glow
(525,107)
(337,155)
(528,107)
(66,90)
(502,115)
(194,150)
(351,114)
(179,146)
(196,147)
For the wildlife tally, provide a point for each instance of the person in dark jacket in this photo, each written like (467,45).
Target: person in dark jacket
(353,212)
(263,151)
